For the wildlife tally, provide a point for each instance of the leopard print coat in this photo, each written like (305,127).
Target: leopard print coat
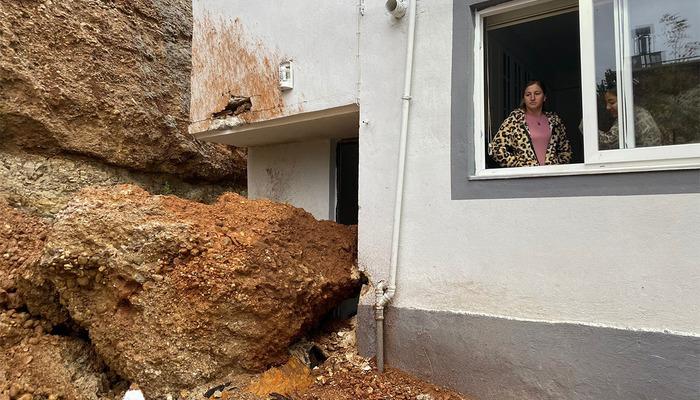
(512,145)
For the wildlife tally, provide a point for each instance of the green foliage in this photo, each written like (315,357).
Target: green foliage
(166,189)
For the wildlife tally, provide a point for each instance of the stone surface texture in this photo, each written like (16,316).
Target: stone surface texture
(22,239)
(44,185)
(36,359)
(107,80)
(175,293)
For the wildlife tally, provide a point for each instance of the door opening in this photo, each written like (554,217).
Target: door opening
(347,162)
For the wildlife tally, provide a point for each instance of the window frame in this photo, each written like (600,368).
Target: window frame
(670,157)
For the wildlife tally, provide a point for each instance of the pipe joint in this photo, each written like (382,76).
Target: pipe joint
(380,288)
(386,297)
(378,313)
(383,296)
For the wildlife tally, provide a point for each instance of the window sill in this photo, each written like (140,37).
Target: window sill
(579,169)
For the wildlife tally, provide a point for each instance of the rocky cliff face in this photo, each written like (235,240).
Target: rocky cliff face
(107,81)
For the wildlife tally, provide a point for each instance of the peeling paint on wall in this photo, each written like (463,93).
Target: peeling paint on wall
(227,64)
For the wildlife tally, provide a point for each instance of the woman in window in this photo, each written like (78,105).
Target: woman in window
(531,136)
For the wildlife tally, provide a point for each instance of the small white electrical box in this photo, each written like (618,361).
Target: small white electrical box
(286,75)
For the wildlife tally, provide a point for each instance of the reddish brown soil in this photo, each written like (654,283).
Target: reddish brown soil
(176,293)
(353,384)
(21,239)
(274,236)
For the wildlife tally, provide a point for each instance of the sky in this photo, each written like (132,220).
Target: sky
(641,13)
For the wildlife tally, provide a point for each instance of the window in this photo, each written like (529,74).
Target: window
(624,76)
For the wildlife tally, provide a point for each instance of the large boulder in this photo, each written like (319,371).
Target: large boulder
(108,80)
(175,293)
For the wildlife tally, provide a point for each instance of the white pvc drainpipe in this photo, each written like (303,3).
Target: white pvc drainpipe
(385,293)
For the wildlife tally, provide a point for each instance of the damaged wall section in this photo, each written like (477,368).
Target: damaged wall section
(234,57)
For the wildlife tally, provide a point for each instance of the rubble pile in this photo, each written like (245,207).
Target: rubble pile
(346,375)
(174,293)
(339,374)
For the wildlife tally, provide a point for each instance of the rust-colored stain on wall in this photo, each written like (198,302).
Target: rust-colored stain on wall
(226,63)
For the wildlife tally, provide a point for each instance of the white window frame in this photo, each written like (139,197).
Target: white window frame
(672,157)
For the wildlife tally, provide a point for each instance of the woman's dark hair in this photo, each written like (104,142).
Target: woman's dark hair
(527,85)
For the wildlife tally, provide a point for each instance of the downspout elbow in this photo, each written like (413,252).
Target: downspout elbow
(383,295)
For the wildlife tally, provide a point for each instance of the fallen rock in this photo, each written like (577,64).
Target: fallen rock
(175,293)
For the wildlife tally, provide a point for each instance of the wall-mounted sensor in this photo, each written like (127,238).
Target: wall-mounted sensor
(397,8)
(286,75)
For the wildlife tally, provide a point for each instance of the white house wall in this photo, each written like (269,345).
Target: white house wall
(237,47)
(301,174)
(629,263)
(621,261)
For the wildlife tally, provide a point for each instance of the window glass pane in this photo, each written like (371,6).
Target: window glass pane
(648,50)
(606,74)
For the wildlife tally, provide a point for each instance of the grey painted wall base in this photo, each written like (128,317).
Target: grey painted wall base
(497,358)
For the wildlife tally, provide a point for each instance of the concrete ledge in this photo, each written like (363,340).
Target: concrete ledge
(338,122)
(498,358)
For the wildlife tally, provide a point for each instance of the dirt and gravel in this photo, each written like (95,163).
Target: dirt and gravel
(325,367)
(345,375)
(40,360)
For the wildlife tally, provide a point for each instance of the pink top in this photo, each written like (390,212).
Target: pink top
(540,133)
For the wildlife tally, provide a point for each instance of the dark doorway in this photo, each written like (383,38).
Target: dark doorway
(347,157)
(347,161)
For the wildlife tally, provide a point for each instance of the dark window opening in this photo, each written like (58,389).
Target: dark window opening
(541,47)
